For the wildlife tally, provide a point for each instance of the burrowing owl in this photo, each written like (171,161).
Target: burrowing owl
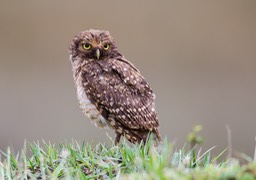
(110,89)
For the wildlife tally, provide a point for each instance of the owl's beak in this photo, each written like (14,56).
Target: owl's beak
(97,53)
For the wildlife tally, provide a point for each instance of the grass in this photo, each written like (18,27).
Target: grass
(125,161)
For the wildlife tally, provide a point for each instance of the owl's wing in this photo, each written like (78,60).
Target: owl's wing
(123,93)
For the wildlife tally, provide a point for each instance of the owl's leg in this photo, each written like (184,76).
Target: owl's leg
(157,134)
(118,136)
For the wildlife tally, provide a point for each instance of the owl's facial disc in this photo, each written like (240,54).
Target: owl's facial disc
(97,45)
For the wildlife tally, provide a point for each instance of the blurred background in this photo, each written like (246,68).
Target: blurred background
(198,56)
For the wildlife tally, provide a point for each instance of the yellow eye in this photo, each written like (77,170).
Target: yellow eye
(106,46)
(87,46)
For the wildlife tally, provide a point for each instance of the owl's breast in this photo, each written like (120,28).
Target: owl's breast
(88,108)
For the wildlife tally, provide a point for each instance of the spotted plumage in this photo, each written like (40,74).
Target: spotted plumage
(111,91)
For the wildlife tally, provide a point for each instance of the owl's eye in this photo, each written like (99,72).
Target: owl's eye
(106,46)
(87,46)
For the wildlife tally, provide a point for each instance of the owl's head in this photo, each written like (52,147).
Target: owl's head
(93,44)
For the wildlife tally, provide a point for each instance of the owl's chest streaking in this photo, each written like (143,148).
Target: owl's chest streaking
(88,107)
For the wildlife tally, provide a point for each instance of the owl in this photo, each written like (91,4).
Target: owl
(111,91)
